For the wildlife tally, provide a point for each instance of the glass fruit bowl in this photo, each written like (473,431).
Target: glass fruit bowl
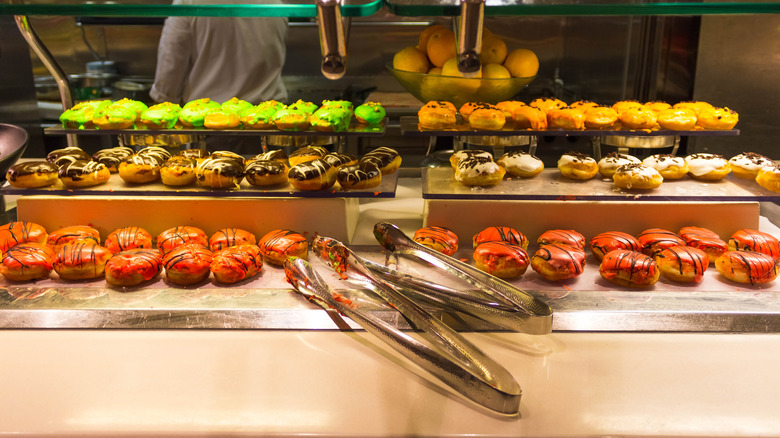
(427,87)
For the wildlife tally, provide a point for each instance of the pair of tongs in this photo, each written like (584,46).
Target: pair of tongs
(495,300)
(449,357)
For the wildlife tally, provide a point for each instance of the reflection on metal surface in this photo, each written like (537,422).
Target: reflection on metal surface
(472,14)
(334,31)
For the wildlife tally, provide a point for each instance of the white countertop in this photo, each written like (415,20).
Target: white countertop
(324,383)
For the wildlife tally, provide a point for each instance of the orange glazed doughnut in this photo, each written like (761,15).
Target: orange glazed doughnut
(438,239)
(658,106)
(27,261)
(547,104)
(467,108)
(625,105)
(133,267)
(501,234)
(529,117)
(437,115)
(509,108)
(567,118)
(14,233)
(228,237)
(697,106)
(603,243)
(126,238)
(177,236)
(680,119)
(557,262)
(717,118)
(705,240)
(236,263)
(600,117)
(654,240)
(565,237)
(188,264)
(629,268)
(502,259)
(756,241)
(487,117)
(682,263)
(279,245)
(72,234)
(584,105)
(638,118)
(81,261)
(746,267)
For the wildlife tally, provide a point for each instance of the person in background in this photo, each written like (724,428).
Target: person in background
(220,58)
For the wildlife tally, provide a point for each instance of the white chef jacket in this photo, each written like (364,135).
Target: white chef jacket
(220,58)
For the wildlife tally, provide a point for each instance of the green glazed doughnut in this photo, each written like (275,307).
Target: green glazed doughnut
(80,115)
(260,116)
(330,119)
(235,105)
(194,112)
(370,113)
(302,105)
(289,119)
(161,116)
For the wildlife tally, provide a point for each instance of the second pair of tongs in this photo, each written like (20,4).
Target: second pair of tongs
(449,357)
(495,300)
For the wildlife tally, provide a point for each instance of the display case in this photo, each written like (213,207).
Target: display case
(660,319)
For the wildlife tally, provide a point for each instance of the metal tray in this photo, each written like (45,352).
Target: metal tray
(586,303)
(439,183)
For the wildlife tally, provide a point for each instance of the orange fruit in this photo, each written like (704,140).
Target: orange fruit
(441,46)
(495,71)
(411,59)
(435,71)
(493,50)
(522,63)
(425,35)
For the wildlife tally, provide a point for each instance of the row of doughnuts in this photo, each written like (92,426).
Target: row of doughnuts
(331,116)
(129,256)
(750,256)
(549,113)
(309,168)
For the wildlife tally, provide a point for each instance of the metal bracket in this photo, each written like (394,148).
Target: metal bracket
(472,15)
(334,32)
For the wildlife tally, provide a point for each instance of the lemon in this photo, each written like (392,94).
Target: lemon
(450,68)
(495,71)
(435,71)
(522,63)
(411,59)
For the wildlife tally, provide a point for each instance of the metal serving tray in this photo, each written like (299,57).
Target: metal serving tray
(586,303)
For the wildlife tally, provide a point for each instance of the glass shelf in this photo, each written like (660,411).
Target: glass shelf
(117,187)
(439,183)
(290,8)
(415,8)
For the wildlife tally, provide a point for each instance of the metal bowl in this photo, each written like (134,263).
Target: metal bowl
(427,87)
(13,142)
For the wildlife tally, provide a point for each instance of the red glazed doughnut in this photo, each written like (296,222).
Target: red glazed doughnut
(228,237)
(188,264)
(133,267)
(565,237)
(747,267)
(27,261)
(177,236)
(81,261)
(126,238)
(14,233)
(555,262)
(657,239)
(502,259)
(629,268)
(705,240)
(612,240)
(503,234)
(437,238)
(756,241)
(279,245)
(72,234)
(236,263)
(682,263)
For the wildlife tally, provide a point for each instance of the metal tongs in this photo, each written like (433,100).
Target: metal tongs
(450,357)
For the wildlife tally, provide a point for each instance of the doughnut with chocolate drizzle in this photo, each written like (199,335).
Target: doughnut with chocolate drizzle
(188,264)
(67,155)
(72,234)
(556,261)
(756,241)
(32,174)
(654,240)
(133,267)
(503,234)
(385,158)
(747,267)
(566,237)
(111,157)
(181,235)
(603,243)
(363,175)
(439,239)
(126,238)
(682,263)
(221,171)
(27,261)
(227,237)
(312,175)
(81,261)
(629,268)
(14,233)
(82,173)
(278,245)
(236,263)
(502,259)
(139,168)
(265,172)
(705,240)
